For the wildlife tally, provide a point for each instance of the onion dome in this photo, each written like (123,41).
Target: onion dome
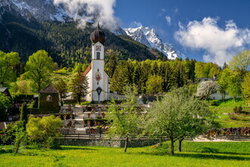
(97,36)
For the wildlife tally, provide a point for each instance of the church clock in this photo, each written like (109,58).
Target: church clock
(98,48)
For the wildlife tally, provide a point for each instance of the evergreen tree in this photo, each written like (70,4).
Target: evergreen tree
(78,85)
(120,78)
(154,85)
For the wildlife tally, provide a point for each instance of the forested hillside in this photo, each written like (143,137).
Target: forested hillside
(65,43)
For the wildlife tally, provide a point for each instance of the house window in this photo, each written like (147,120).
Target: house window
(98,55)
(49,98)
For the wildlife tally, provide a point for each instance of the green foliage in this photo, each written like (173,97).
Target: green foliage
(125,120)
(112,61)
(4,105)
(38,69)
(174,74)
(8,62)
(78,85)
(234,88)
(43,130)
(24,114)
(246,86)
(60,85)
(206,70)
(154,85)
(178,115)
(21,86)
(19,136)
(224,81)
(241,62)
(120,78)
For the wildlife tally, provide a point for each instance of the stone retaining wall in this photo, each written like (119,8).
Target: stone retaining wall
(106,142)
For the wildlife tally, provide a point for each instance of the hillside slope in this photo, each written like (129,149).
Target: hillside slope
(64,42)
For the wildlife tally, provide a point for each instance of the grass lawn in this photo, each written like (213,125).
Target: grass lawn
(223,108)
(195,154)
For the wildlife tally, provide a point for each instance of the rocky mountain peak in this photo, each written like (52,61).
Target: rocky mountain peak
(150,38)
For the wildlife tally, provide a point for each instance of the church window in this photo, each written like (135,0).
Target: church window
(49,98)
(98,55)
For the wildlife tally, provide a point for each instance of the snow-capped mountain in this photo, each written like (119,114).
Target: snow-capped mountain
(148,37)
(39,9)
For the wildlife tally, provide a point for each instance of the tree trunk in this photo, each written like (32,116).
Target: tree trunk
(180,144)
(126,144)
(79,99)
(172,146)
(17,146)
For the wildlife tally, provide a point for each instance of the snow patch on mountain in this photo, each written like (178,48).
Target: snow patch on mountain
(150,38)
(39,9)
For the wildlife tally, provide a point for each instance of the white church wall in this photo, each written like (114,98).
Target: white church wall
(89,95)
(95,48)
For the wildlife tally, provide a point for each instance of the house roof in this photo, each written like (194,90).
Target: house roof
(3,89)
(87,70)
(49,89)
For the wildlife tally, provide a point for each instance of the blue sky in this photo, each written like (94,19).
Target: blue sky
(219,21)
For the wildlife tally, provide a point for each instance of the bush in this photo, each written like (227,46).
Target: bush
(42,131)
(238,109)
(233,116)
(9,134)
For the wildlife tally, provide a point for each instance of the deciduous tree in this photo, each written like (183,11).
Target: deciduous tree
(38,69)
(8,62)
(125,119)
(246,86)
(178,115)
(206,88)
(4,105)
(241,62)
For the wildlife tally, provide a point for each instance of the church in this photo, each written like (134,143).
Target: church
(98,80)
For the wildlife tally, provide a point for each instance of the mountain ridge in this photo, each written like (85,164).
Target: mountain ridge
(150,38)
(36,22)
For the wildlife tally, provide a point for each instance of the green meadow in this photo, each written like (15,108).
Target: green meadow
(223,110)
(195,154)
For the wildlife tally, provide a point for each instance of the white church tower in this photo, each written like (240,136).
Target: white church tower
(97,78)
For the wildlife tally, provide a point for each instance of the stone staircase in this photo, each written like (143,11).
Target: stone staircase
(79,127)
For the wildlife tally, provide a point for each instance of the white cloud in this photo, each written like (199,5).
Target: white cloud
(220,44)
(101,11)
(168,19)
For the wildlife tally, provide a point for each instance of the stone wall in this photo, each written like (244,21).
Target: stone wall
(106,142)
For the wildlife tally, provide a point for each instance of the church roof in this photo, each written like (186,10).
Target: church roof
(87,70)
(49,89)
(97,36)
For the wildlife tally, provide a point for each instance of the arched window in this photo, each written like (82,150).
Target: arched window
(49,98)
(98,55)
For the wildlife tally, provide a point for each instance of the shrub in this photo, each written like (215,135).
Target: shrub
(43,130)
(233,116)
